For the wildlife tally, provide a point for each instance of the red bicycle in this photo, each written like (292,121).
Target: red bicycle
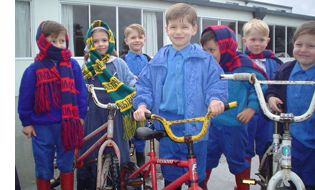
(132,176)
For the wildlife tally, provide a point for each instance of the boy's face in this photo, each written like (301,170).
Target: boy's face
(304,50)
(59,41)
(213,48)
(135,41)
(180,32)
(100,40)
(255,41)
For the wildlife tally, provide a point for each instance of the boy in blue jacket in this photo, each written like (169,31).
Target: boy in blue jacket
(181,81)
(52,104)
(296,100)
(260,128)
(136,60)
(228,131)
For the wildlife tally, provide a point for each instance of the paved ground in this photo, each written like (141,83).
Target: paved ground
(221,178)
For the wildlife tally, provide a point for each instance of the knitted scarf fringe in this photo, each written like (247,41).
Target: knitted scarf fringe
(71,134)
(130,125)
(43,100)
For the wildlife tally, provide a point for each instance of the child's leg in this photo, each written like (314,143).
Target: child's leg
(214,151)
(303,162)
(44,151)
(139,146)
(251,130)
(234,149)
(263,134)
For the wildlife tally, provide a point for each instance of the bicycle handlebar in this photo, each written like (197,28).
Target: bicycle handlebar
(203,131)
(91,89)
(283,117)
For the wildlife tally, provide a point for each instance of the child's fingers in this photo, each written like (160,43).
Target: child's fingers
(34,133)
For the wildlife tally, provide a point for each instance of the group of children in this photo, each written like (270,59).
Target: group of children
(181,81)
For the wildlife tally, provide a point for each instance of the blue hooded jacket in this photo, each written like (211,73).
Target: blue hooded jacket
(201,85)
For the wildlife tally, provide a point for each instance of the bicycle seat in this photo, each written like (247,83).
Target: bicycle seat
(145,133)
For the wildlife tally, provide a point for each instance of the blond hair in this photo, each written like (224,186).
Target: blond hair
(180,11)
(257,24)
(135,26)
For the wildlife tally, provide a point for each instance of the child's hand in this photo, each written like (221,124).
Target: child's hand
(82,121)
(216,107)
(273,101)
(245,115)
(28,131)
(138,115)
(136,77)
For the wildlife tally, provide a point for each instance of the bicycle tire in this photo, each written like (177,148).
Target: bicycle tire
(55,181)
(110,172)
(266,168)
(126,169)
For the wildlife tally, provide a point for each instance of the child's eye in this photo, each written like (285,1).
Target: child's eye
(52,41)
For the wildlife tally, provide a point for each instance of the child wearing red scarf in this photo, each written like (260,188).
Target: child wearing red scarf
(260,128)
(52,104)
(228,131)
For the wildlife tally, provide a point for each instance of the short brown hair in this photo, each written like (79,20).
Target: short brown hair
(134,26)
(306,28)
(52,28)
(207,36)
(259,25)
(180,11)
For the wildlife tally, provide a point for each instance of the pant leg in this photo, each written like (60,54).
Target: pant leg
(214,151)
(44,151)
(303,162)
(64,159)
(251,130)
(234,141)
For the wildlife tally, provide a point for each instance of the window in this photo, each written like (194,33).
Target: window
(280,41)
(290,34)
(270,44)
(239,36)
(208,22)
(230,24)
(76,19)
(22,29)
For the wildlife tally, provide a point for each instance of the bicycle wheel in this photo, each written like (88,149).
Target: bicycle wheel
(126,169)
(266,167)
(110,172)
(55,181)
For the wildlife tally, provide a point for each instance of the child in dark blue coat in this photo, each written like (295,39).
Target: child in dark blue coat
(296,100)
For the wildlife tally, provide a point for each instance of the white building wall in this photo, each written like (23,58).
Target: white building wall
(50,10)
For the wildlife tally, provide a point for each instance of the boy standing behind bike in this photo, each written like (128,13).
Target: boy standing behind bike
(260,128)
(181,81)
(296,100)
(228,131)
(136,60)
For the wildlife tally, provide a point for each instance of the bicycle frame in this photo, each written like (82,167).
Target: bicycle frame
(281,152)
(190,163)
(105,141)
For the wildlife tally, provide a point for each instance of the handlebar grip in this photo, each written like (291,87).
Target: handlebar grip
(230,105)
(147,115)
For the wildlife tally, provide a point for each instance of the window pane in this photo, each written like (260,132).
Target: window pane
(196,37)
(160,28)
(22,29)
(290,34)
(270,44)
(230,24)
(280,41)
(75,19)
(208,22)
(126,17)
(239,36)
